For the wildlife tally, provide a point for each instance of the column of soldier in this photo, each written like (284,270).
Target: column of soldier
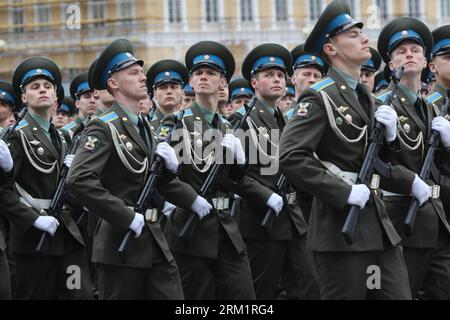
(108,207)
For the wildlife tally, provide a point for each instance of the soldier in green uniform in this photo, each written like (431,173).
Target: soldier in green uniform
(85,102)
(270,249)
(285,102)
(369,68)
(381,83)
(189,96)
(166,79)
(107,175)
(7,101)
(38,151)
(334,126)
(426,251)
(63,112)
(213,262)
(240,93)
(307,70)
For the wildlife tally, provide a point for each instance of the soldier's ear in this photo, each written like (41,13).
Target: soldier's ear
(391,65)
(77,103)
(432,66)
(23,97)
(112,82)
(254,83)
(329,49)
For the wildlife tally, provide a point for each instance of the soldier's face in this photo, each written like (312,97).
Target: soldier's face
(87,104)
(305,77)
(284,103)
(106,99)
(60,119)
(129,83)
(145,105)
(5,111)
(368,78)
(187,101)
(270,84)
(223,93)
(441,66)
(350,46)
(410,55)
(169,95)
(226,109)
(206,81)
(40,94)
(239,102)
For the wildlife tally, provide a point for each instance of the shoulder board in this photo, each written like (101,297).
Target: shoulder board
(69,126)
(319,86)
(109,117)
(384,96)
(241,111)
(434,97)
(155,117)
(290,113)
(22,124)
(188,113)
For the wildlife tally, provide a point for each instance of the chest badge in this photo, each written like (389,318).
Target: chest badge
(40,151)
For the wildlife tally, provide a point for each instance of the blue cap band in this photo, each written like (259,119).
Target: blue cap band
(167,76)
(291,91)
(244,91)
(65,108)
(115,63)
(404,35)
(36,72)
(440,45)
(264,62)
(308,58)
(7,97)
(209,59)
(188,89)
(83,87)
(381,83)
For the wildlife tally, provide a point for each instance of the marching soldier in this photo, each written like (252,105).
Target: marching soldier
(166,79)
(189,96)
(84,98)
(63,113)
(270,249)
(224,107)
(213,262)
(240,93)
(7,104)
(285,102)
(334,126)
(427,250)
(381,83)
(369,69)
(307,70)
(107,175)
(38,151)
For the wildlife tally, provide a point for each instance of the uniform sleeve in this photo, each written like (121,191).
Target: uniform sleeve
(84,177)
(300,139)
(13,209)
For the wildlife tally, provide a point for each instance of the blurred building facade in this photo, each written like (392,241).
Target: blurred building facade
(73,33)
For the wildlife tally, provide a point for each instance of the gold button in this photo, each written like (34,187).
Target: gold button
(343,87)
(403,99)
(34,129)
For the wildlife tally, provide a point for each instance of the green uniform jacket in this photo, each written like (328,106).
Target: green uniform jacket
(261,182)
(155,122)
(410,126)
(311,131)
(109,185)
(437,99)
(205,240)
(33,154)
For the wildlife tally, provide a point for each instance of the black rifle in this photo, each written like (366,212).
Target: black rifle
(371,162)
(190,225)
(58,196)
(282,183)
(427,168)
(7,132)
(144,200)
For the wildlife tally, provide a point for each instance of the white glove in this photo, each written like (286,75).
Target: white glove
(168,209)
(359,196)
(387,116)
(168,154)
(420,190)
(442,126)
(46,223)
(6,161)
(201,207)
(232,143)
(68,160)
(276,203)
(137,224)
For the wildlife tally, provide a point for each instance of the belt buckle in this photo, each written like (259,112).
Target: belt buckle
(435,191)
(220,203)
(151,215)
(375,182)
